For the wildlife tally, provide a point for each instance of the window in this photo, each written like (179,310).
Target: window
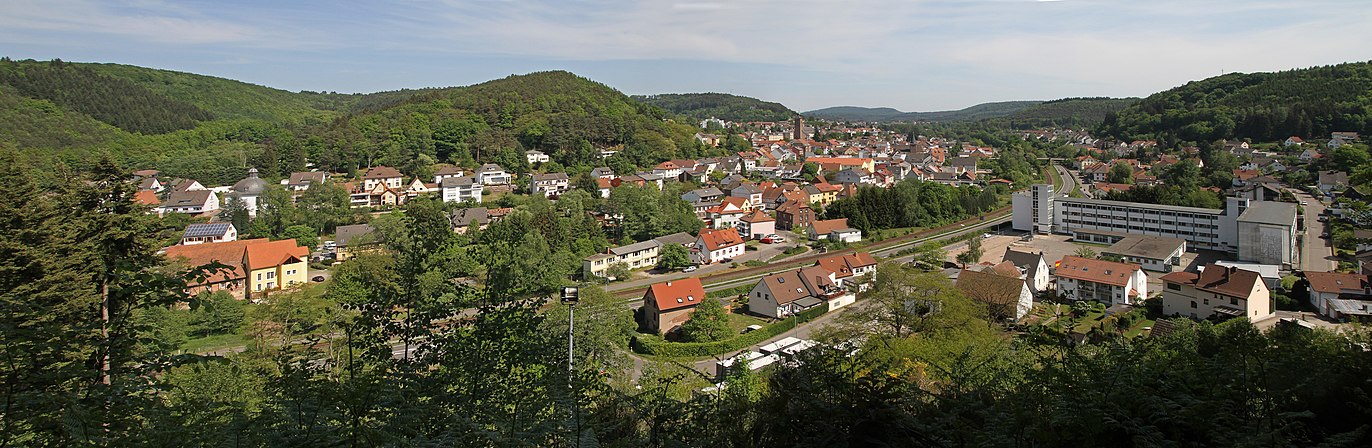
(1193,305)
(1174,286)
(1207,301)
(1233,301)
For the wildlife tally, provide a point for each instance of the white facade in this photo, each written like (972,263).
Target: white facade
(1033,209)
(460,189)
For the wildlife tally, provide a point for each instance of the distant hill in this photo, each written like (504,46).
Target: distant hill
(700,106)
(1066,112)
(886,114)
(1309,103)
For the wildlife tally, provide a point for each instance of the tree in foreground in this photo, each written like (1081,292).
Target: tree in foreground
(708,323)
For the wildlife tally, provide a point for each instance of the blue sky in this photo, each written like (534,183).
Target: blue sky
(912,55)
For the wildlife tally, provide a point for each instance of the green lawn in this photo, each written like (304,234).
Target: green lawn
(739,321)
(209,343)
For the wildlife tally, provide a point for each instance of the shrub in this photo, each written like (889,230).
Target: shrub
(657,347)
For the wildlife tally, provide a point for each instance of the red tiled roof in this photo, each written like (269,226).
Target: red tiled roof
(147,197)
(1093,270)
(229,253)
(275,253)
(675,294)
(1336,282)
(1230,281)
(716,239)
(757,216)
(843,265)
(829,225)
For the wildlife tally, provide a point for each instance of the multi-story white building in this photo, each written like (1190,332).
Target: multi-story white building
(549,185)
(633,256)
(461,189)
(1039,210)
(1103,281)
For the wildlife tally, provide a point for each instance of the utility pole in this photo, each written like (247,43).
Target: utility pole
(570,296)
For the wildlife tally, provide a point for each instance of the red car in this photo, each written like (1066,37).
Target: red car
(767,240)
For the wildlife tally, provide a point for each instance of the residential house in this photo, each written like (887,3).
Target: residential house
(787,293)
(852,269)
(1341,296)
(1293,141)
(1310,154)
(834,230)
(682,239)
(668,305)
(218,232)
(1004,293)
(179,184)
(749,192)
(418,188)
(382,175)
(1109,282)
(464,219)
(1329,181)
(603,173)
(304,180)
(151,184)
(794,214)
(863,163)
(148,198)
(672,169)
(715,245)
(756,225)
(727,214)
(603,186)
(355,239)
(550,184)
(232,278)
(461,189)
(191,201)
(276,265)
(492,174)
(1033,265)
(536,156)
(633,256)
(854,176)
(379,195)
(447,172)
(1217,291)
(708,194)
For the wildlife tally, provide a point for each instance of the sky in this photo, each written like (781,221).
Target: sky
(913,55)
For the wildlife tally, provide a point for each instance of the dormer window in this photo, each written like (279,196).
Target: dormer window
(678,300)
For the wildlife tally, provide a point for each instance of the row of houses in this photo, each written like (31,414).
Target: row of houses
(250,267)
(831,282)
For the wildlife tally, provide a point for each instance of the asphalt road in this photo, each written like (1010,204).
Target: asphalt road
(1317,253)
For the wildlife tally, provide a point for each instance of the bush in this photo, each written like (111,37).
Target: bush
(658,347)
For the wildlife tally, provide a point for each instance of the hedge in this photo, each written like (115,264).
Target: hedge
(657,347)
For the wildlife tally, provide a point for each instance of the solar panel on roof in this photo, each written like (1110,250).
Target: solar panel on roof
(203,230)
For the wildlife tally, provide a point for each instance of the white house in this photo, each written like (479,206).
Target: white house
(1004,293)
(1340,295)
(391,177)
(193,202)
(715,245)
(549,185)
(1103,281)
(790,292)
(1034,267)
(834,230)
(460,189)
(492,174)
(756,225)
(536,156)
(447,172)
(218,232)
(854,269)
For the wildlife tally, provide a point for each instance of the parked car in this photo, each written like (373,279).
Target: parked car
(317,278)
(778,239)
(691,268)
(767,240)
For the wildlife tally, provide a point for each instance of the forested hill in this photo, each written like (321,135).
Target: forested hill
(886,114)
(1066,112)
(115,101)
(1308,103)
(700,106)
(566,116)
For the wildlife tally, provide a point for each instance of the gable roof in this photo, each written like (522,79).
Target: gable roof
(793,285)
(1029,259)
(350,234)
(1336,282)
(680,238)
(674,294)
(757,216)
(1230,281)
(843,265)
(631,248)
(448,170)
(312,177)
(147,197)
(716,239)
(262,255)
(188,198)
(203,230)
(829,225)
(229,253)
(987,286)
(1093,270)
(382,172)
(549,177)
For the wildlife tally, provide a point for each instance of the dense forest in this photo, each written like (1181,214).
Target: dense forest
(46,113)
(397,351)
(1065,113)
(1308,103)
(912,203)
(700,106)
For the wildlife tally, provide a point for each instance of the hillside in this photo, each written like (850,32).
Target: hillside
(1309,103)
(886,114)
(1066,112)
(113,100)
(226,98)
(700,106)
(569,117)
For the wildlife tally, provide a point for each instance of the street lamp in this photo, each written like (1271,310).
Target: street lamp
(570,296)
